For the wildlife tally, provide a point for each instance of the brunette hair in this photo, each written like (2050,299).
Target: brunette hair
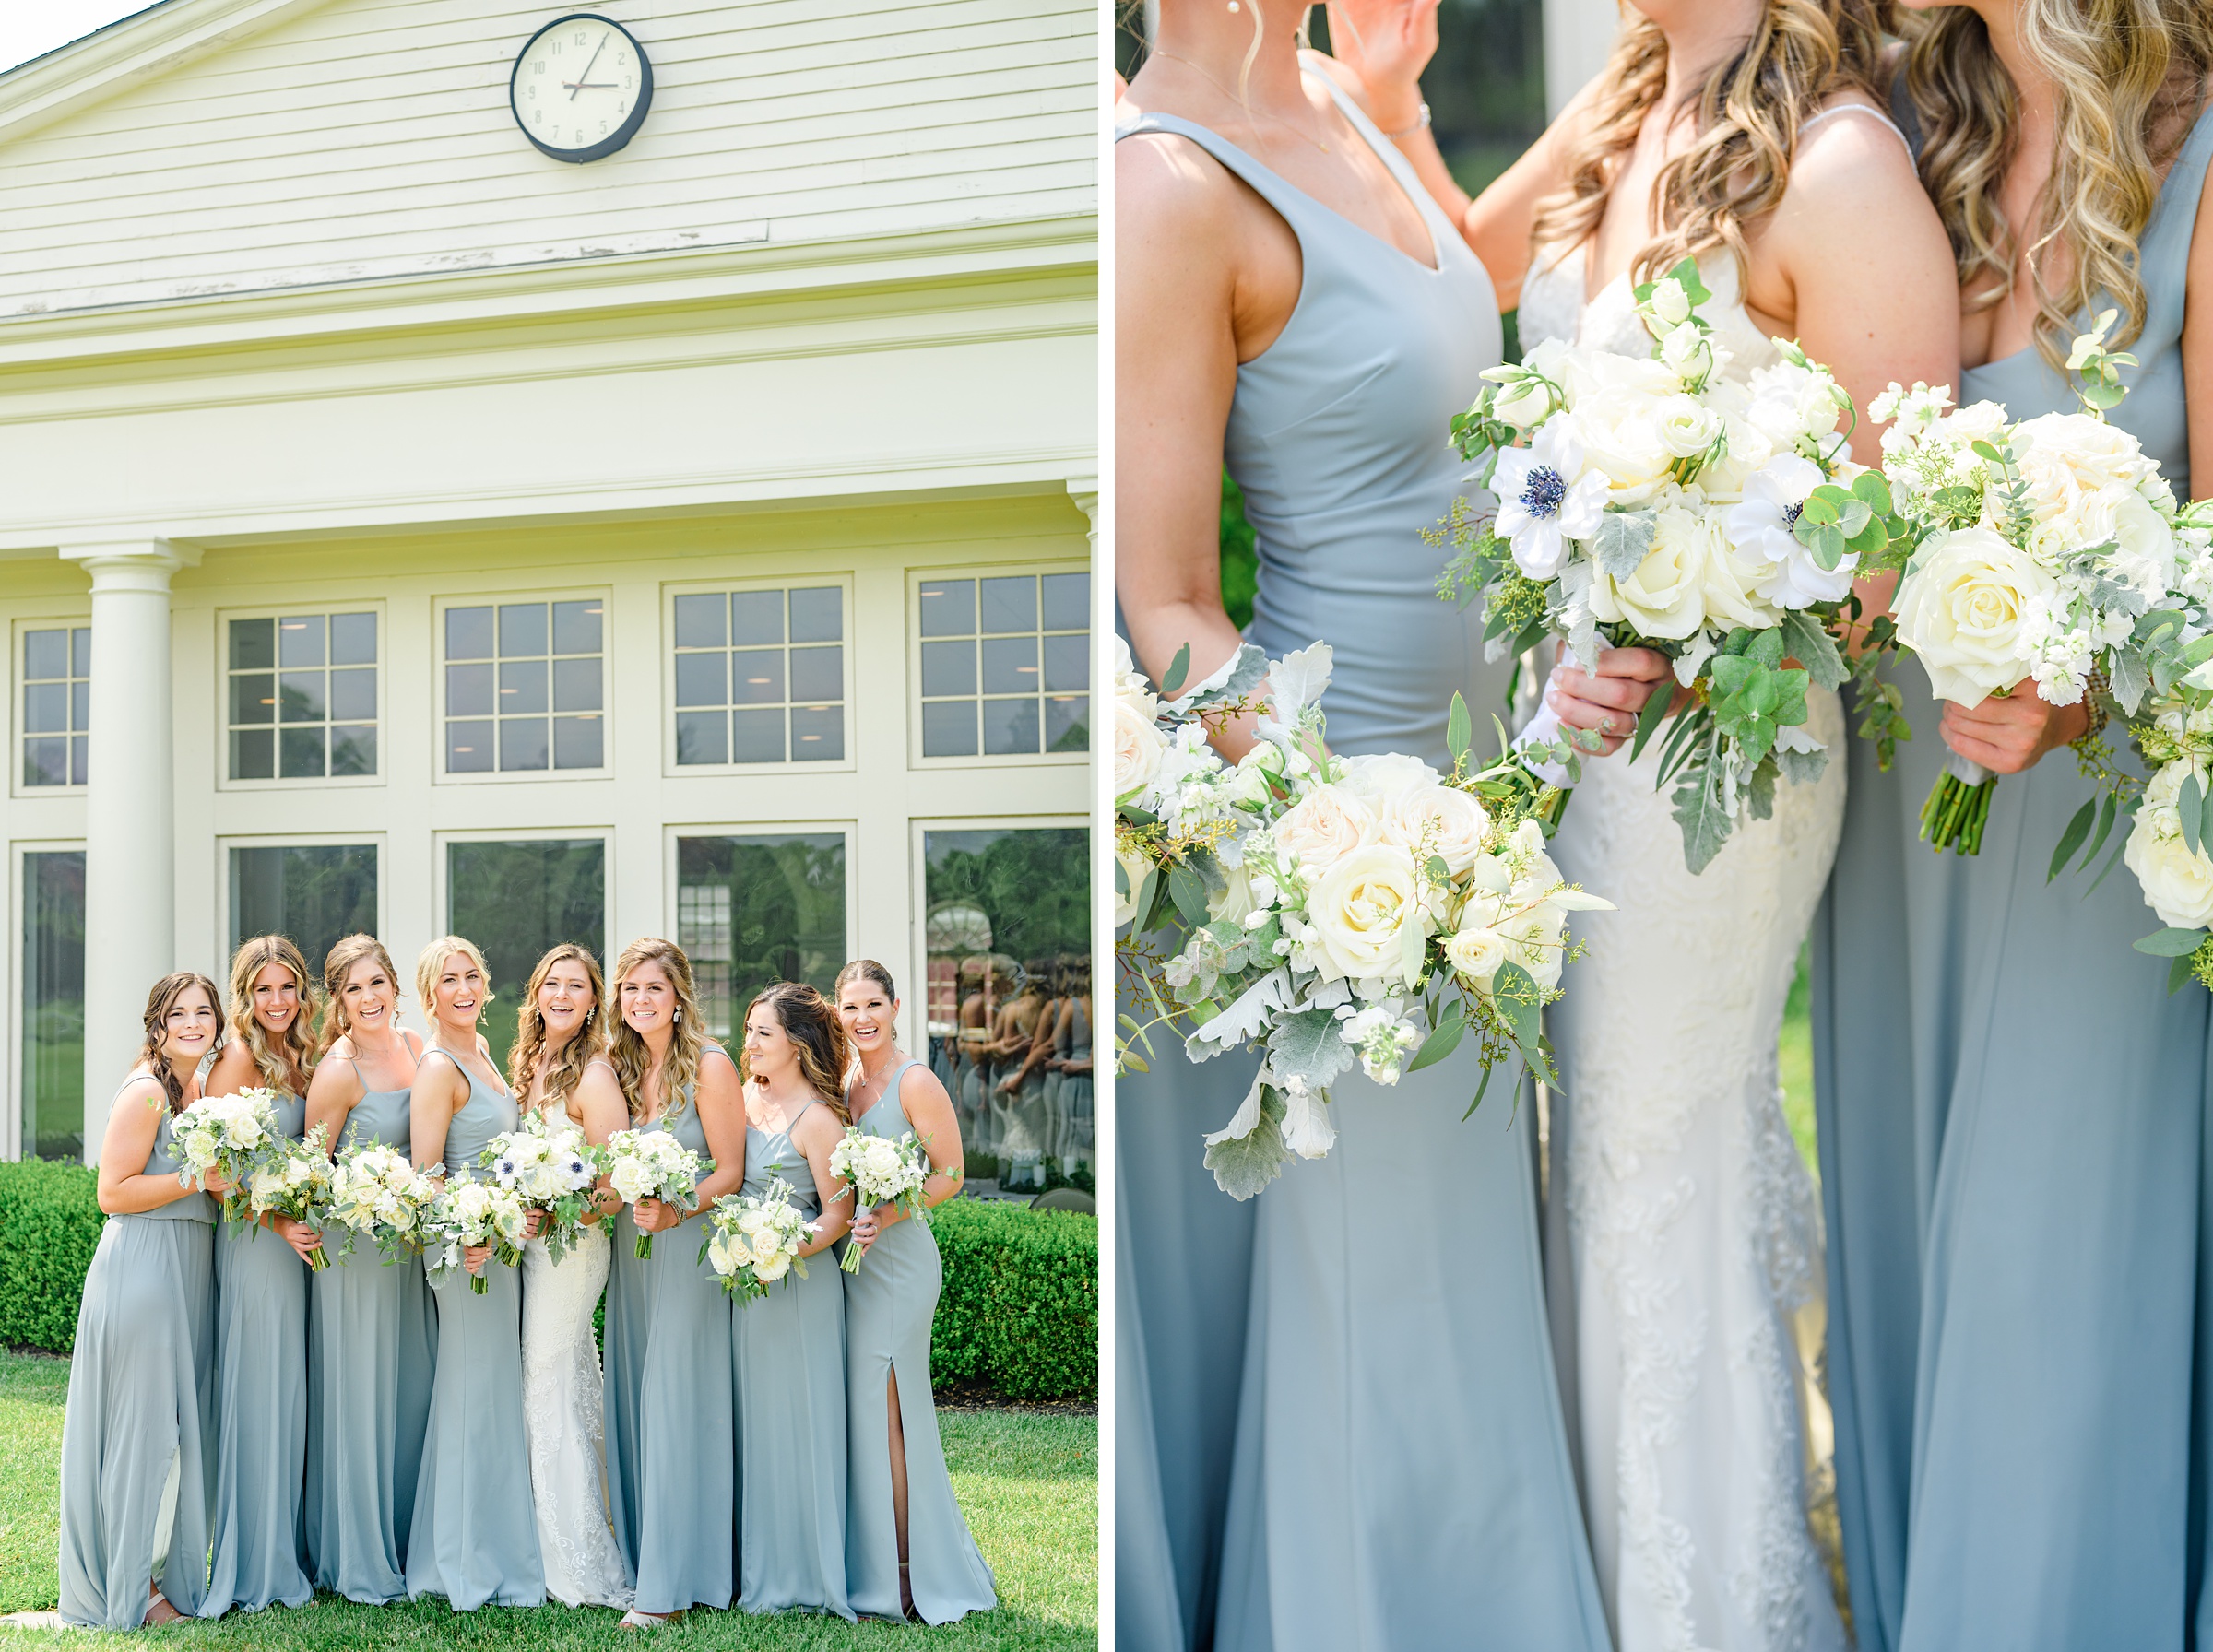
(687,1037)
(353,949)
(159,1003)
(867,969)
(286,1061)
(567,1070)
(819,1037)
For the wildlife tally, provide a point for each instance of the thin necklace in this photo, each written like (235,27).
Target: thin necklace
(867,1083)
(1271,115)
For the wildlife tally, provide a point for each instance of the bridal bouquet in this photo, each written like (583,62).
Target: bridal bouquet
(654,1164)
(468,1212)
(554,1170)
(292,1178)
(2042,548)
(1653,502)
(378,1195)
(226,1135)
(1330,910)
(880,1171)
(754,1240)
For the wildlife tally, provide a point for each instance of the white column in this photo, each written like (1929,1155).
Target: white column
(1577,36)
(130,837)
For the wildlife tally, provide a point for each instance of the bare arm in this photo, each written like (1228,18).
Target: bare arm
(2197,352)
(233,1072)
(600,1099)
(134,1120)
(1176,365)
(331,1094)
(440,1091)
(822,1134)
(721,1102)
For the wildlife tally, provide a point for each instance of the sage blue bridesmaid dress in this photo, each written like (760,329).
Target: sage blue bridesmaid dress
(372,1349)
(890,1305)
(474,1540)
(791,1405)
(671,1422)
(141,1409)
(261,1413)
(1400,1475)
(2012,1114)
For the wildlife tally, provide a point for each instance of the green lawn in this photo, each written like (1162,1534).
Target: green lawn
(1028,1482)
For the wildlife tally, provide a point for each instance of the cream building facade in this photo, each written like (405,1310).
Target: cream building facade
(402,527)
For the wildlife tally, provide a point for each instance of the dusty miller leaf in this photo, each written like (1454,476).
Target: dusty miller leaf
(1623,540)
(1244,1164)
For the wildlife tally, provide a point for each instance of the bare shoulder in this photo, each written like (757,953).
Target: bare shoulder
(233,1070)
(1856,145)
(919,1084)
(1166,186)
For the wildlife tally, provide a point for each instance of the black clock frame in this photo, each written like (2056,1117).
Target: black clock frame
(614,140)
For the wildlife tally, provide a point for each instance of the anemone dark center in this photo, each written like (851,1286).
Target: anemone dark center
(1544,490)
(1790,515)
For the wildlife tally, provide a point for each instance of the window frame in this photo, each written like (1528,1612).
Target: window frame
(670,769)
(912,624)
(16,787)
(323,607)
(226,841)
(440,773)
(11,981)
(440,869)
(914,1029)
(848,829)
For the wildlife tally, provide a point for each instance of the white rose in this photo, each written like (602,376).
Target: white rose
(1962,612)
(768,1270)
(1362,909)
(1324,826)
(1664,597)
(1477,951)
(1686,428)
(1138,746)
(1670,302)
(1616,402)
(2063,455)
(1383,775)
(1732,583)
(1788,402)
(2177,884)
(1525,403)
(1686,353)
(632,1180)
(1436,819)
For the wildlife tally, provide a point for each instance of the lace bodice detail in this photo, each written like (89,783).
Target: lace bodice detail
(1553,307)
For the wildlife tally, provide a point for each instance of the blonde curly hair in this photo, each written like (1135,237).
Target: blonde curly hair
(285,1063)
(567,1070)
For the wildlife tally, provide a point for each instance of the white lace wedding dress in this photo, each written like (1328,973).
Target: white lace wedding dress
(563,1416)
(1693,1229)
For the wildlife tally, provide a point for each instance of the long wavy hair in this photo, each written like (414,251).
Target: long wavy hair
(566,1069)
(2129,75)
(284,1062)
(687,1037)
(825,1050)
(1746,116)
(350,951)
(159,1003)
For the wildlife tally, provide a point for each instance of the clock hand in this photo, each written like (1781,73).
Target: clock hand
(587,67)
(589,86)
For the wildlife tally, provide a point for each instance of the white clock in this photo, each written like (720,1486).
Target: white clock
(580,86)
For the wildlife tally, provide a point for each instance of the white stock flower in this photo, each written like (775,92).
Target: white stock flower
(1384,1036)
(1664,597)
(1546,498)
(1324,826)
(1361,909)
(1789,403)
(1962,612)
(2177,884)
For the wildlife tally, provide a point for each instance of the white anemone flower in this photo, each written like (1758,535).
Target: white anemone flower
(1545,498)
(1760,527)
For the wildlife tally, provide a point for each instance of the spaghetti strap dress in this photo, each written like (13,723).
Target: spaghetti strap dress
(671,1422)
(373,1351)
(890,1304)
(474,1540)
(1406,1262)
(261,1413)
(138,1440)
(791,1401)
(2012,1113)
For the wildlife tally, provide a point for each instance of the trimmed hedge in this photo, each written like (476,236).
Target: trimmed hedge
(1019,1310)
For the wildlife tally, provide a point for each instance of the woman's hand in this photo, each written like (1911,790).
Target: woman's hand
(215,1182)
(297,1234)
(655,1215)
(534,1222)
(1609,699)
(865,1228)
(2008,734)
(474,1256)
(1388,43)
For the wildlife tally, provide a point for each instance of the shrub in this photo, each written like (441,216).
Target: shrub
(50,1220)
(1020,1304)
(1019,1310)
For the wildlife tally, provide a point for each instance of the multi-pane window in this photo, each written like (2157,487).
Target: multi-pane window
(755,910)
(761,675)
(525,687)
(301,696)
(518,900)
(1006,664)
(52,1004)
(317,893)
(57,692)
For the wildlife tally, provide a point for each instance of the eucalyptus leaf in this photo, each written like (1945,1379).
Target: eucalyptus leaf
(1443,1040)
(2173,943)
(2191,804)
(1178,669)
(2071,839)
(1459,733)
(1187,889)
(1515,996)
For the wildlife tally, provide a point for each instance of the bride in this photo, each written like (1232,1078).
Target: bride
(557,1068)
(1748,135)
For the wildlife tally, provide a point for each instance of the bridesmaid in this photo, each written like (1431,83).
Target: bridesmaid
(791,1343)
(907,1550)
(474,1537)
(2015,1217)
(373,1334)
(261,1306)
(138,1432)
(670,1324)
(1309,316)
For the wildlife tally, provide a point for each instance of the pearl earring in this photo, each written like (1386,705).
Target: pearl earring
(1233,4)
(677,1019)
